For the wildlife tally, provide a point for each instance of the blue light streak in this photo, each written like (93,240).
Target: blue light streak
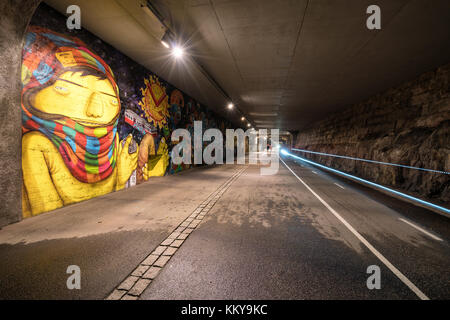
(372,161)
(403,195)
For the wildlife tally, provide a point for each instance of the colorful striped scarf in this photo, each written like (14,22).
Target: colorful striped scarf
(89,153)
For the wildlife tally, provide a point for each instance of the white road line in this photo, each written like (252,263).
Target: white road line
(385,261)
(339,185)
(314,172)
(420,229)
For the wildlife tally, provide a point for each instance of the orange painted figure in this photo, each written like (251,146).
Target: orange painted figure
(155,102)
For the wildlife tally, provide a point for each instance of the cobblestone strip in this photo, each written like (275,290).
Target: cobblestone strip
(141,277)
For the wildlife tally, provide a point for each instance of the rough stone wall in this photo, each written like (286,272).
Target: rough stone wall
(408,125)
(15,15)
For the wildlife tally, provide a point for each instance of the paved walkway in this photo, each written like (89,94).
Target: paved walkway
(107,237)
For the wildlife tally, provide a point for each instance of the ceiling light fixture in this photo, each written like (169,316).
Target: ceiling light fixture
(166,40)
(230,106)
(165,44)
(269,120)
(243,119)
(263,114)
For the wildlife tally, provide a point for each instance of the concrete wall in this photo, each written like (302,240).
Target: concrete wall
(408,125)
(15,15)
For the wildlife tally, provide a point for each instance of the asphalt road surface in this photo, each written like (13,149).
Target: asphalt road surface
(270,237)
(299,234)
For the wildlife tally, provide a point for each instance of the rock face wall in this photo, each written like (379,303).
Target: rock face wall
(408,125)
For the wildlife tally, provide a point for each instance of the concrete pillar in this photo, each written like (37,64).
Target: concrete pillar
(15,16)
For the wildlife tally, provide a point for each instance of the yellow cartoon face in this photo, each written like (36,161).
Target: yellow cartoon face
(83,98)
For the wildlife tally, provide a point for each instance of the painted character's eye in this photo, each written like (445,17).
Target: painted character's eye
(114,102)
(61,90)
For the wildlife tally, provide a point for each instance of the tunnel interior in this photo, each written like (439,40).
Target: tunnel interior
(378,117)
(147,108)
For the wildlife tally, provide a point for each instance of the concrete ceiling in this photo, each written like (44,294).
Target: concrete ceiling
(126,27)
(285,63)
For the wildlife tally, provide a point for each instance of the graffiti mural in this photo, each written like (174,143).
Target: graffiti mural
(70,108)
(93,120)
